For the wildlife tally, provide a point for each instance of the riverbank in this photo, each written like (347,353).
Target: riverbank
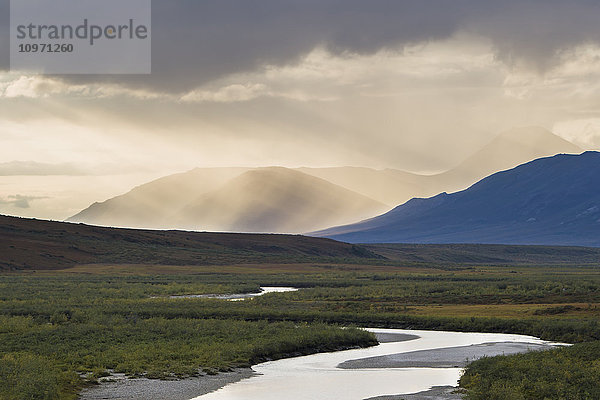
(121,388)
(450,357)
(118,387)
(435,393)
(413,357)
(318,376)
(60,327)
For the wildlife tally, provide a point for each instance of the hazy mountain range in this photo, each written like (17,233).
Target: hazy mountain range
(553,200)
(394,187)
(304,199)
(260,200)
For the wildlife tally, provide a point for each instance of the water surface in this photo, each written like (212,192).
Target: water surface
(317,377)
(238,296)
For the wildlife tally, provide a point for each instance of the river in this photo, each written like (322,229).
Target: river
(423,360)
(238,296)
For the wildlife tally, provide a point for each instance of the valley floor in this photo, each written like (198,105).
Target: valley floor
(65,329)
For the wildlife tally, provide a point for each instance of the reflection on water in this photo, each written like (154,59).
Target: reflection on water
(317,377)
(238,296)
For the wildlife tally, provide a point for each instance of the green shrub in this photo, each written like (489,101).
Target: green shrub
(566,373)
(26,376)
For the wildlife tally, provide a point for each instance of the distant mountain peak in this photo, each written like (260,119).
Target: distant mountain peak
(269,199)
(320,197)
(507,150)
(552,200)
(538,139)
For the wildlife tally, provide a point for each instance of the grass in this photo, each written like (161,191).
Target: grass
(27,244)
(81,322)
(566,373)
(510,311)
(59,333)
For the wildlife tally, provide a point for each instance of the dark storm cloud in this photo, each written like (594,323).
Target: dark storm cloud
(533,31)
(197,41)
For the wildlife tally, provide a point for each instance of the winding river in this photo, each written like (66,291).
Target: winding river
(238,296)
(421,360)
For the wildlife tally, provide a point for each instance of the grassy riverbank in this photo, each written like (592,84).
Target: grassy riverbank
(564,373)
(59,333)
(53,359)
(63,329)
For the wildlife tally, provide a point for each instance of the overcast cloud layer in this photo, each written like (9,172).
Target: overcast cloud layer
(195,42)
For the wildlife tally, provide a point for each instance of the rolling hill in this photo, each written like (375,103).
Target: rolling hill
(551,201)
(149,205)
(259,200)
(275,200)
(28,244)
(37,245)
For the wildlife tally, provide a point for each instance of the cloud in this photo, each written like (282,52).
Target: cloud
(421,108)
(197,42)
(227,94)
(415,85)
(33,87)
(584,132)
(324,76)
(41,86)
(19,201)
(32,168)
(533,33)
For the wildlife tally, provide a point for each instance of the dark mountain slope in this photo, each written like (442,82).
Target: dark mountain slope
(554,200)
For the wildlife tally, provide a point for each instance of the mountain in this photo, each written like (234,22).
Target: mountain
(29,244)
(552,201)
(149,205)
(304,199)
(507,150)
(393,187)
(388,186)
(259,200)
(275,200)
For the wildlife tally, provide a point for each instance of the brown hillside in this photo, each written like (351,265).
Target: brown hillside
(29,244)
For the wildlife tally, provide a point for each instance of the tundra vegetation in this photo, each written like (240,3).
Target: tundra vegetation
(61,330)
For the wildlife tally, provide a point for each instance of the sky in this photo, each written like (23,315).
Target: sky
(413,85)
